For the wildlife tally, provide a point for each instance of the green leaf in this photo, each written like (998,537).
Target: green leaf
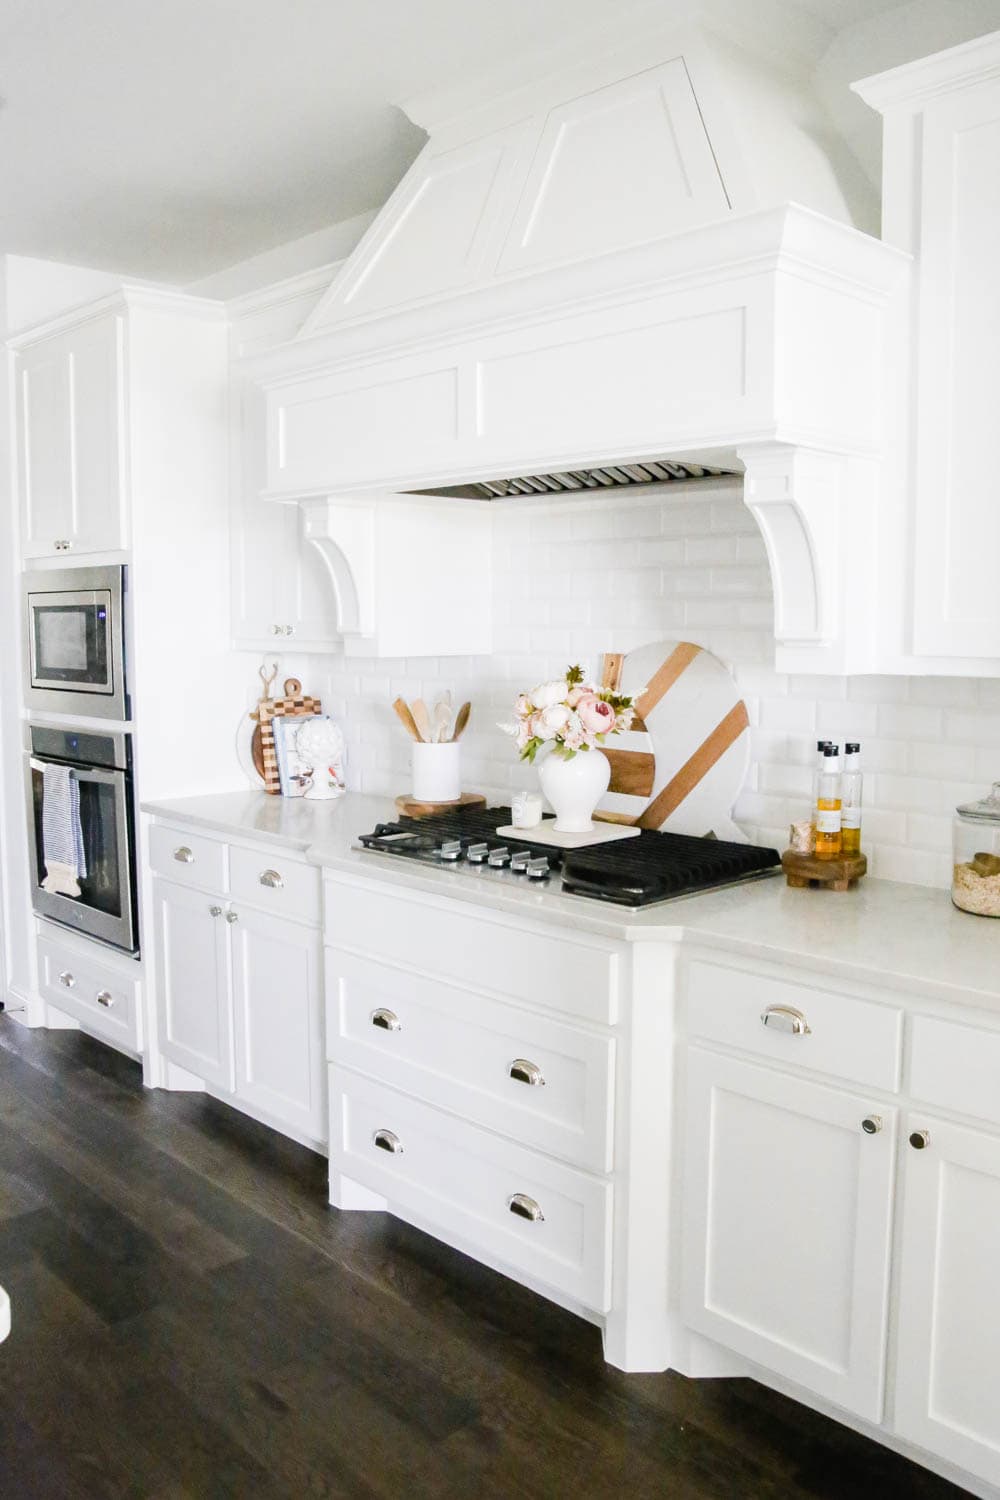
(574,676)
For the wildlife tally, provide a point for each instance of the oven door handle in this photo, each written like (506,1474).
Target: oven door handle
(82,773)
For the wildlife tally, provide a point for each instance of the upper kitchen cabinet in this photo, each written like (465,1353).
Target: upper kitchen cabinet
(72,473)
(941,189)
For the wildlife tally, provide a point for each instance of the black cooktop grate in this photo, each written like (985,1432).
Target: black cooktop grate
(633,872)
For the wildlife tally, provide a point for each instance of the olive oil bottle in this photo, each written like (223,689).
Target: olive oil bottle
(828,806)
(850,797)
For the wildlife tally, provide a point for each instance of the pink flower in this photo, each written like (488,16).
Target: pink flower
(596,716)
(523,705)
(553,720)
(574,695)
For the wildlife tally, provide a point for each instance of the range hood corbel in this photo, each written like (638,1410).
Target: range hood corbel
(410,576)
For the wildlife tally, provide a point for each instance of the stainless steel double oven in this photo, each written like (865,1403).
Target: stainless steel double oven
(75,634)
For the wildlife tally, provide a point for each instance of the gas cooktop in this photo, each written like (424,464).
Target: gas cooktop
(633,872)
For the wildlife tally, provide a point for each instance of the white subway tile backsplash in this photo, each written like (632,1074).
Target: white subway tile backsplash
(611,573)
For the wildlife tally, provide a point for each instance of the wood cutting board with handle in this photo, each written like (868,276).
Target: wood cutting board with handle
(683,764)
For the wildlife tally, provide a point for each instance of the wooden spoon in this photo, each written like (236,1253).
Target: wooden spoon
(406,719)
(461,720)
(421,718)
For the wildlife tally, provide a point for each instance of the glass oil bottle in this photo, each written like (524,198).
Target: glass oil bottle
(817,773)
(850,797)
(828,806)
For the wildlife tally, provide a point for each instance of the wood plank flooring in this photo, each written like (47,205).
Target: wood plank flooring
(191,1322)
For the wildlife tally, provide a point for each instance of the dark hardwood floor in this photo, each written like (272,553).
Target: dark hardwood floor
(191,1322)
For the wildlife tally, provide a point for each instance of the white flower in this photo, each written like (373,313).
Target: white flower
(548,693)
(553,720)
(522,706)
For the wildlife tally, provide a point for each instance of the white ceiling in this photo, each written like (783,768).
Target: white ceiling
(171,138)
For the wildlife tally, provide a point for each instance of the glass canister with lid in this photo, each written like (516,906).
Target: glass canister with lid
(976,881)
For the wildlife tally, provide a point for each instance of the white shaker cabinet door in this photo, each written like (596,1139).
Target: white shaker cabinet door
(278,1019)
(282,595)
(193,990)
(956,598)
(70,441)
(949,1304)
(787,1223)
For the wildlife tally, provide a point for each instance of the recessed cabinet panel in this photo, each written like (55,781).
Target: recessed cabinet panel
(278,1008)
(97,436)
(956,599)
(949,1310)
(193,982)
(787,1226)
(45,448)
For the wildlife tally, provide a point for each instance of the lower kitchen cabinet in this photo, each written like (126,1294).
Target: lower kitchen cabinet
(193,982)
(278,1019)
(949,1300)
(787,1225)
(240,1004)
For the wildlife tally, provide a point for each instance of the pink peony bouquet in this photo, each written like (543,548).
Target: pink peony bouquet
(570,715)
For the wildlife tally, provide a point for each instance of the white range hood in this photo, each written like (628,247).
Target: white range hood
(602,266)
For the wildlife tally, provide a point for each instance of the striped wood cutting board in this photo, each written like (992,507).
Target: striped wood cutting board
(684,763)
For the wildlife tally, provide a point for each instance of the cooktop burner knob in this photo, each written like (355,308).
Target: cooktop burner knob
(477,854)
(451,850)
(499,857)
(538,869)
(520,860)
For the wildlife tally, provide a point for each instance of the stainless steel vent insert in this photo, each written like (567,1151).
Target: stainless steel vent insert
(608,477)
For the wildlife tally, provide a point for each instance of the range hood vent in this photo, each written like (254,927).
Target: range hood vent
(612,476)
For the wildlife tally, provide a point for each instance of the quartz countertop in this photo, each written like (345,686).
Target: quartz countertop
(909,937)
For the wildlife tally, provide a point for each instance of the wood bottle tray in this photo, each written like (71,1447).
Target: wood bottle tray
(809,869)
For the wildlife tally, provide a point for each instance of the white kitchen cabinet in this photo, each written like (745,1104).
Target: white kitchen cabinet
(278,1018)
(941,193)
(787,1225)
(949,1303)
(70,389)
(193,982)
(281,592)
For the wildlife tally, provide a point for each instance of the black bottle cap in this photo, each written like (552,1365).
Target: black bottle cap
(830,748)
(853,748)
(822,744)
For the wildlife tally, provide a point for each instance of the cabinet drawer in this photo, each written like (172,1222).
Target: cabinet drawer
(956,1067)
(542,967)
(269,879)
(545,1083)
(856,1039)
(188,858)
(464,1181)
(98,995)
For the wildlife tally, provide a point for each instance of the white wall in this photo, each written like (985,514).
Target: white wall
(575,580)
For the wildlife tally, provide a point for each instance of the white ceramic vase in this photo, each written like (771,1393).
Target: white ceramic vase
(574,787)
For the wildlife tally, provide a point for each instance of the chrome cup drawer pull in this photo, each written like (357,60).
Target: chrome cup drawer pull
(183,855)
(105,998)
(387,1020)
(525,1208)
(67,979)
(785,1018)
(387,1140)
(523,1071)
(272,880)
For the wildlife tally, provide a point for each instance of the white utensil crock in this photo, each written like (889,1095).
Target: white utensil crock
(574,787)
(437,772)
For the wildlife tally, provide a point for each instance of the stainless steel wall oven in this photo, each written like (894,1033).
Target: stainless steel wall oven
(83,843)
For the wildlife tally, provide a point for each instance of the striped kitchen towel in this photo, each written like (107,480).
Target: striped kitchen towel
(62,832)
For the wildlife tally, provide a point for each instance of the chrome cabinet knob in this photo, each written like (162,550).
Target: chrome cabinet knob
(525,1208)
(871,1124)
(523,1071)
(785,1018)
(183,855)
(215,911)
(105,998)
(272,880)
(67,979)
(386,1019)
(275,629)
(232,916)
(920,1139)
(388,1140)
(289,629)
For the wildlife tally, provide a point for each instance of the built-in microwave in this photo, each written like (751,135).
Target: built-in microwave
(75,634)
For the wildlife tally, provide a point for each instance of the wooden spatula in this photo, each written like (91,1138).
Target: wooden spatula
(461,720)
(406,719)
(421,718)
